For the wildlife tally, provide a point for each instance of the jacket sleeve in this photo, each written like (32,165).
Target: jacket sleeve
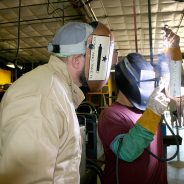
(29,142)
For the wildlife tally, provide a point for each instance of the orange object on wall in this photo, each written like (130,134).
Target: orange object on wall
(5,77)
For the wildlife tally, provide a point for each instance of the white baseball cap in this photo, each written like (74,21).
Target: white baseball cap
(70,39)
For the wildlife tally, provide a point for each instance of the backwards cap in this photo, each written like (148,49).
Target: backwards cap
(93,40)
(70,39)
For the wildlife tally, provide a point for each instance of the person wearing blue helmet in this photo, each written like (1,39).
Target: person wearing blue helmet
(131,125)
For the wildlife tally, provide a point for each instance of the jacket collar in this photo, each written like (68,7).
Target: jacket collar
(60,68)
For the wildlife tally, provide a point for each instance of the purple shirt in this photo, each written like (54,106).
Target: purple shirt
(118,119)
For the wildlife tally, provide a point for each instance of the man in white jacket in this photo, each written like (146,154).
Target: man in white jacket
(39,131)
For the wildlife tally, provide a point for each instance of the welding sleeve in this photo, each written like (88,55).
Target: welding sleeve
(133,143)
(141,135)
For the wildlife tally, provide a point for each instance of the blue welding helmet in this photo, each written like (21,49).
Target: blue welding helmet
(135,78)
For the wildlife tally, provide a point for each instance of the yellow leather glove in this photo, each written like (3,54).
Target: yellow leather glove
(157,104)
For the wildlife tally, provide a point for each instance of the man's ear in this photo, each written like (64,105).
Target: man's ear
(76,61)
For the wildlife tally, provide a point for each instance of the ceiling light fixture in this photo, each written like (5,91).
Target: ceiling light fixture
(11,65)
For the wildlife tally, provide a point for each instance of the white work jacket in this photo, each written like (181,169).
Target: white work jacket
(40,139)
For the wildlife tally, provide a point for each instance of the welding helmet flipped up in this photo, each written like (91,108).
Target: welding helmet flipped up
(93,40)
(135,78)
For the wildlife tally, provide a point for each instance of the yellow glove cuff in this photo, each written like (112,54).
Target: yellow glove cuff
(149,120)
(174,53)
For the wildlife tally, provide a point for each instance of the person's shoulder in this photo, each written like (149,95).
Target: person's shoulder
(119,111)
(110,107)
(111,110)
(116,107)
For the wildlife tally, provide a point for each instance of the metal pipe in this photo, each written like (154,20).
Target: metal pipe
(92,12)
(70,16)
(48,18)
(144,28)
(87,2)
(150,32)
(181,19)
(24,37)
(139,14)
(18,39)
(135,26)
(32,5)
(89,11)
(23,48)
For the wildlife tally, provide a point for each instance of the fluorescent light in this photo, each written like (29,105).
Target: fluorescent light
(11,65)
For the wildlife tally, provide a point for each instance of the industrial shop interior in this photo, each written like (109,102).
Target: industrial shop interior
(91,91)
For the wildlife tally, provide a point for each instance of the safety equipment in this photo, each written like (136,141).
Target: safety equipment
(70,39)
(158,101)
(99,53)
(157,104)
(93,40)
(136,136)
(135,77)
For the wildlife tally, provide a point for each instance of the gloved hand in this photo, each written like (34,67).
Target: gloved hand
(173,52)
(171,44)
(170,38)
(157,104)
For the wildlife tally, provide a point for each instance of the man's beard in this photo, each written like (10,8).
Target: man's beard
(83,81)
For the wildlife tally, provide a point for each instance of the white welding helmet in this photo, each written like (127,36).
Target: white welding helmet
(93,40)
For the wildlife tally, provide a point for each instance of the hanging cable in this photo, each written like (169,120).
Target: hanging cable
(55,10)
(150,31)
(159,7)
(135,25)
(181,19)
(177,145)
(117,160)
(92,165)
(18,40)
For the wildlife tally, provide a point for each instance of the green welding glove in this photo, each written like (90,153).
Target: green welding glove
(130,146)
